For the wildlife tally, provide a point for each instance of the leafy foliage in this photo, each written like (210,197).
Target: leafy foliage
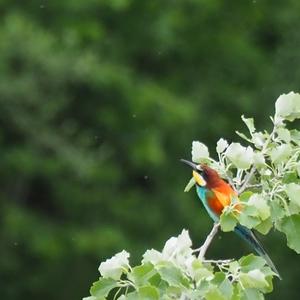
(177,273)
(269,169)
(265,174)
(98,101)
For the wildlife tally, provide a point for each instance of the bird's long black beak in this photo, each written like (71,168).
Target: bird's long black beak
(189,163)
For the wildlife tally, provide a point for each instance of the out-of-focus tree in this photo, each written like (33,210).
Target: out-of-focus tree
(98,101)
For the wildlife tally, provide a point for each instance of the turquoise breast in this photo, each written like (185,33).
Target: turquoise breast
(202,194)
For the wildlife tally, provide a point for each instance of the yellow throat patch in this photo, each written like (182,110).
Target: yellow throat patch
(199,179)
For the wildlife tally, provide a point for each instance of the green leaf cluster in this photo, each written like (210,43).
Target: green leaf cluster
(265,174)
(177,273)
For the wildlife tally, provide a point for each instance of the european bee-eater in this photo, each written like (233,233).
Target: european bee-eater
(215,194)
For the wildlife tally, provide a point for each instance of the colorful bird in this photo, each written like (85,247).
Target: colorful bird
(216,194)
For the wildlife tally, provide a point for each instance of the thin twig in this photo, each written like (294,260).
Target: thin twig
(247,179)
(208,240)
(253,169)
(117,293)
(219,261)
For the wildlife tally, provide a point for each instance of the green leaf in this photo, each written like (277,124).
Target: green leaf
(293,192)
(243,136)
(152,256)
(249,123)
(102,287)
(173,292)
(293,208)
(218,278)
(194,267)
(265,226)
(280,153)
(250,210)
(228,221)
(295,136)
(195,294)
(155,280)
(254,279)
(203,287)
(200,272)
(251,262)
(215,294)
(163,285)
(224,285)
(290,177)
(269,288)
(284,105)
(226,288)
(172,275)
(277,210)
(284,134)
(236,293)
(241,157)
(234,266)
(190,184)
(255,210)
(178,245)
(248,221)
(291,227)
(221,145)
(148,293)
(259,160)
(133,296)
(115,266)
(259,139)
(245,196)
(288,106)
(199,152)
(141,274)
(261,205)
(251,294)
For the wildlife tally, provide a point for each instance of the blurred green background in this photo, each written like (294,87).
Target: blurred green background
(99,100)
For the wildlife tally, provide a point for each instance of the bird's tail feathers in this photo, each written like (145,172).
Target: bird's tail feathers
(249,236)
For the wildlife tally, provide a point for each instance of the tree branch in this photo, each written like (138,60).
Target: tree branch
(219,261)
(247,179)
(208,240)
(252,171)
